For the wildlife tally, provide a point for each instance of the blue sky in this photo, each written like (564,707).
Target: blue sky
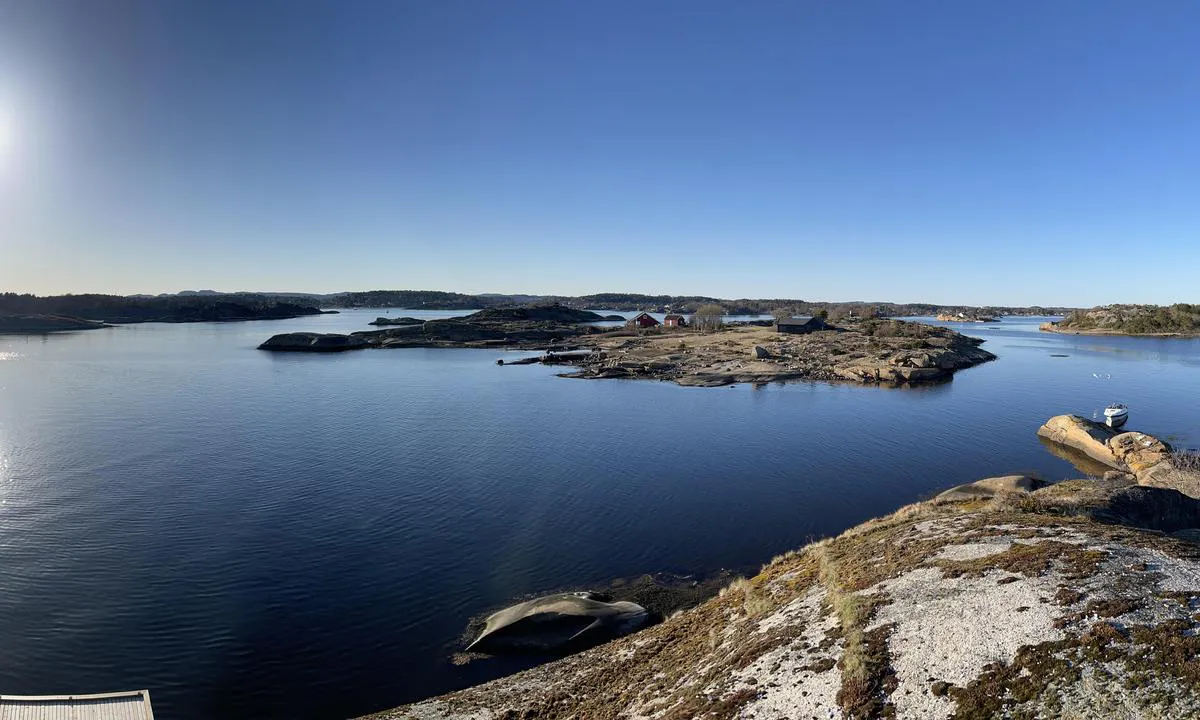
(966,152)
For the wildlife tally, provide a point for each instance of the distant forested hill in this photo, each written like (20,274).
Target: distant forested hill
(174,308)
(1177,319)
(210,305)
(414,300)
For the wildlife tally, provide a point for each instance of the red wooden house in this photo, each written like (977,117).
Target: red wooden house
(675,321)
(643,320)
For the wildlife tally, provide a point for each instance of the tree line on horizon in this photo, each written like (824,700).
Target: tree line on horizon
(175,308)
(443,300)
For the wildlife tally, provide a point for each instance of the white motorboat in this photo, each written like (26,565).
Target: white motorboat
(1115,415)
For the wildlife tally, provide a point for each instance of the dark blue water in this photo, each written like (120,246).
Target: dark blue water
(256,535)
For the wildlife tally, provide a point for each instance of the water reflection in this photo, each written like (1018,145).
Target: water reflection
(1084,464)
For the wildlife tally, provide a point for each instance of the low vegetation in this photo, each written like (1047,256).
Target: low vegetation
(1177,319)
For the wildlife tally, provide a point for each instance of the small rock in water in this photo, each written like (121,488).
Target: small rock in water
(558,621)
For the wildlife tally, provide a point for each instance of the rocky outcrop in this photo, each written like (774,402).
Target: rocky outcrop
(39,324)
(382,321)
(1144,457)
(1088,437)
(992,487)
(964,318)
(313,342)
(1021,604)
(1120,501)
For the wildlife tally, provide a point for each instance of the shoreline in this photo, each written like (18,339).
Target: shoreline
(996,598)
(1100,332)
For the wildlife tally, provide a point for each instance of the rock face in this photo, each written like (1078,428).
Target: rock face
(312,342)
(556,622)
(1146,458)
(1025,604)
(38,324)
(1088,437)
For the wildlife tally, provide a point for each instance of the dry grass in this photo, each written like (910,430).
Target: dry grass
(867,677)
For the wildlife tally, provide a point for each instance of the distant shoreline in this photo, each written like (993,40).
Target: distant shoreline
(1101,332)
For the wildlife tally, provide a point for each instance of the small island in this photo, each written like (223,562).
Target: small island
(42,324)
(385,321)
(965,317)
(863,350)
(1179,320)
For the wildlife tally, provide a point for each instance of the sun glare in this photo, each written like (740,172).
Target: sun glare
(7,134)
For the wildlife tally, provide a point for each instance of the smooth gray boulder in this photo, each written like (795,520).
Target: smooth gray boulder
(556,622)
(991,487)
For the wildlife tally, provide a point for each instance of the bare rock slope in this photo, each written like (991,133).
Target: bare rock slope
(875,352)
(975,608)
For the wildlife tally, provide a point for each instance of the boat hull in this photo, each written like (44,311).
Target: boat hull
(1116,420)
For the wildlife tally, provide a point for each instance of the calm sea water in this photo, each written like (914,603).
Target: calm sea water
(256,535)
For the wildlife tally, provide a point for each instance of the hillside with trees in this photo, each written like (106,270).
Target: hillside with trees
(1177,319)
(687,304)
(172,308)
(200,305)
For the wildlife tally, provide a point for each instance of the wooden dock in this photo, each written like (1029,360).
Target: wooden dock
(133,705)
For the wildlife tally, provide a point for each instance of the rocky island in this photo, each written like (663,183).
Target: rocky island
(40,324)
(1179,320)
(965,318)
(535,327)
(864,351)
(1006,597)
(385,321)
(859,350)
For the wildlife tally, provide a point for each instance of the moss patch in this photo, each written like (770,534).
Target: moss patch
(1148,656)
(1031,560)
